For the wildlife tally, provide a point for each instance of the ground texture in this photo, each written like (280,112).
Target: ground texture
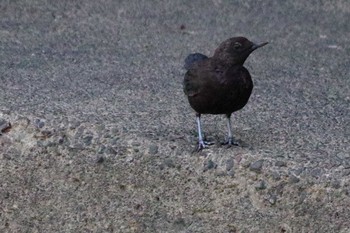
(97,135)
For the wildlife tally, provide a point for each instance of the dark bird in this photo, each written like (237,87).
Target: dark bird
(219,84)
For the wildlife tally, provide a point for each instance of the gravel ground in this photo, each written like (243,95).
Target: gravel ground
(97,135)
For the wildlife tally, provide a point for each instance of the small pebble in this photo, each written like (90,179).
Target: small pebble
(74,124)
(4,125)
(272,199)
(293,179)
(100,159)
(46,133)
(2,121)
(276,176)
(111,150)
(261,185)
(232,228)
(281,164)
(303,195)
(169,162)
(256,166)
(100,127)
(107,135)
(209,164)
(114,130)
(61,140)
(135,144)
(336,184)
(153,149)
(229,164)
(231,173)
(44,143)
(39,123)
(101,149)
(179,224)
(298,171)
(316,172)
(220,173)
(87,140)
(79,132)
(6,195)
(113,141)
(129,159)
(346,172)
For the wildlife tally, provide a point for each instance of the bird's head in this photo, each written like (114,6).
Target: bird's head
(236,50)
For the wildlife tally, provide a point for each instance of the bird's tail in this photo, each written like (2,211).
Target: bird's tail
(193,58)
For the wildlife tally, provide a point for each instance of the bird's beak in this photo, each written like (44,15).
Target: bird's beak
(256,46)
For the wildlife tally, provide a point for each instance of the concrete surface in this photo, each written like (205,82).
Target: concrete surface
(101,135)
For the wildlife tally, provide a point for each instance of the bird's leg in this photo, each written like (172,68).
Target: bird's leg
(201,143)
(230,141)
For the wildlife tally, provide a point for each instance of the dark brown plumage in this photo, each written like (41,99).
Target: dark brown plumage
(219,84)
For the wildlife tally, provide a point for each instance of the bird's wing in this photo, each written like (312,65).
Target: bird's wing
(202,75)
(191,84)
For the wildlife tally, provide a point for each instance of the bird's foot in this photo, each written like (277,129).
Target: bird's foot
(203,144)
(230,142)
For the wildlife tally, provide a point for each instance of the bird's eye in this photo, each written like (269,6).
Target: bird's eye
(237,45)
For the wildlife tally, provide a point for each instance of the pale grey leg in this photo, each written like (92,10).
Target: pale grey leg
(201,143)
(230,140)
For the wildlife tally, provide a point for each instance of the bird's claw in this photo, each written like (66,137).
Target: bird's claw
(203,144)
(230,142)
